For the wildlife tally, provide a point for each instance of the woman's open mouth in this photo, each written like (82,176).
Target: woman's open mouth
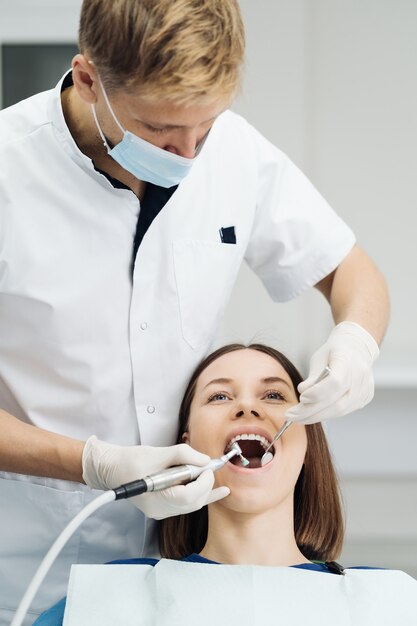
(252,446)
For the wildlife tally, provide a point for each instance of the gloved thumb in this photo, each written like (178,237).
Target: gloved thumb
(182,454)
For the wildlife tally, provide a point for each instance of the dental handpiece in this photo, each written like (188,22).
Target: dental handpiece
(178,475)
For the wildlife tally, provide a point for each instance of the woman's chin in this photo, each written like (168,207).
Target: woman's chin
(245,503)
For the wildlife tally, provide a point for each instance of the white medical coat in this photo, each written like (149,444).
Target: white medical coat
(84,349)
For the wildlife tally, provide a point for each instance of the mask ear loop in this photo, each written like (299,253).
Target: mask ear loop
(109,106)
(105,144)
(93,107)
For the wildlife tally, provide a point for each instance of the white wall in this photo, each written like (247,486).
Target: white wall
(333,84)
(364,132)
(27,21)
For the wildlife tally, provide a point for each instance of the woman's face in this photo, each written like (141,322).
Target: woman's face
(245,394)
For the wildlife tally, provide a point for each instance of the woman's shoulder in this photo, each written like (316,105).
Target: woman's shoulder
(137,561)
(53,616)
(314,566)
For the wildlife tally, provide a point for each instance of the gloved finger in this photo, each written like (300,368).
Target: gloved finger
(316,392)
(334,385)
(369,395)
(318,363)
(182,454)
(177,500)
(218,494)
(193,494)
(310,381)
(300,414)
(346,404)
(313,413)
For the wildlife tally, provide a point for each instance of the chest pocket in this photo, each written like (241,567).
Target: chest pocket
(205,272)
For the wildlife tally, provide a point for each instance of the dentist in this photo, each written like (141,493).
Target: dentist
(129,197)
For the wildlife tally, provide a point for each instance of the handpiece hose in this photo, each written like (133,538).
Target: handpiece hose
(155,482)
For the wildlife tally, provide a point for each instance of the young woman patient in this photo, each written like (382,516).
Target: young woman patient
(242,394)
(286,513)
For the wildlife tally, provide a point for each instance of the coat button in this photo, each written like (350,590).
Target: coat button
(143,326)
(150,409)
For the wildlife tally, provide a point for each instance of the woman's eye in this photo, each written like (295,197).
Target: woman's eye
(218,397)
(274,395)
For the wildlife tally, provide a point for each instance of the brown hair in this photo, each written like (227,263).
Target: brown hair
(186,51)
(318,519)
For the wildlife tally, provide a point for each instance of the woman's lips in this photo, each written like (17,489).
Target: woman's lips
(247,429)
(249,470)
(256,470)
(253,442)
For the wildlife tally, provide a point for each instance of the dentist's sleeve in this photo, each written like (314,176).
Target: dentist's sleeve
(296,239)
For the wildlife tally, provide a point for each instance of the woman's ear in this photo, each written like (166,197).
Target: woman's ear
(185,437)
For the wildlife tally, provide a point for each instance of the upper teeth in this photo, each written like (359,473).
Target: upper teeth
(251,436)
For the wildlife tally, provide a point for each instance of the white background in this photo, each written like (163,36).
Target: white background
(333,84)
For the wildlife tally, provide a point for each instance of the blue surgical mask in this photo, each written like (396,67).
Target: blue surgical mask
(144,160)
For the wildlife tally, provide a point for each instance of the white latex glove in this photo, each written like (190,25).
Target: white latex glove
(106,466)
(349,352)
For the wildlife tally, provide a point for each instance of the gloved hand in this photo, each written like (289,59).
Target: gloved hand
(349,352)
(106,466)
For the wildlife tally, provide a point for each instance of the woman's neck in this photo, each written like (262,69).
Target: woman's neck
(265,538)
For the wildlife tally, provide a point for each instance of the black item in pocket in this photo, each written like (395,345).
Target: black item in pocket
(228,235)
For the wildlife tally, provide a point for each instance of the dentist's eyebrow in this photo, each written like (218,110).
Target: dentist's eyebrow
(161,126)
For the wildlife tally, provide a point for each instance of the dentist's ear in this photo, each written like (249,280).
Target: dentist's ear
(84,76)
(186,438)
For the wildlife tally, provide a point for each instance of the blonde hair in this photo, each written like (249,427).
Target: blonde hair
(186,51)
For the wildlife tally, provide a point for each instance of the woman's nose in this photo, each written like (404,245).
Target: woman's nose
(242,412)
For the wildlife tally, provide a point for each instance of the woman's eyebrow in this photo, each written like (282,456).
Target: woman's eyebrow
(219,381)
(268,381)
(275,379)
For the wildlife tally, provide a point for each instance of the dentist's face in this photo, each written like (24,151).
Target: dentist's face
(245,395)
(175,128)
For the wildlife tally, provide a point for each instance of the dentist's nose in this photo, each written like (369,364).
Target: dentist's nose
(185,145)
